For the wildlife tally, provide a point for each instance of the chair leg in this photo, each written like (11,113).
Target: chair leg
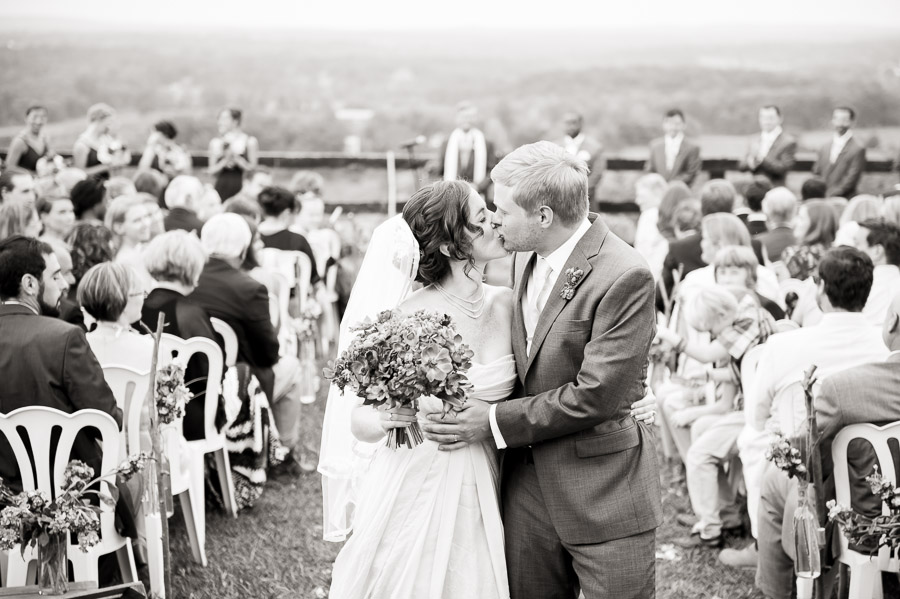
(155,555)
(4,567)
(193,524)
(844,582)
(862,580)
(223,466)
(86,567)
(19,572)
(127,565)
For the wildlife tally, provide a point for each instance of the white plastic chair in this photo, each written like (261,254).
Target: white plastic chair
(213,441)
(865,571)
(39,423)
(228,338)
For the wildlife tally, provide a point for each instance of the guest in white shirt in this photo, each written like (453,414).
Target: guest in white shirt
(648,193)
(841,340)
(880,240)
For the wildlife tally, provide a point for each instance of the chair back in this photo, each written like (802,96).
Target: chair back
(280,301)
(296,267)
(880,439)
(787,286)
(130,387)
(325,244)
(229,338)
(172,347)
(40,468)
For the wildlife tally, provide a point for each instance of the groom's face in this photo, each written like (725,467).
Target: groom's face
(519,230)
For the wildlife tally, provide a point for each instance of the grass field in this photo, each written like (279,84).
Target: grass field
(275,550)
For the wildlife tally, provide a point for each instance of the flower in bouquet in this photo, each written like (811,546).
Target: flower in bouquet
(864,531)
(787,458)
(398,358)
(172,394)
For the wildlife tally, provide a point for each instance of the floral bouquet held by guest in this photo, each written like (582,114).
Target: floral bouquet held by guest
(397,359)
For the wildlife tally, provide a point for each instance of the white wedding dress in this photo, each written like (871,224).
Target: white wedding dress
(427,522)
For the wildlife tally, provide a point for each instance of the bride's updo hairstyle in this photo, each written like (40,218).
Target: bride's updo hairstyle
(438,215)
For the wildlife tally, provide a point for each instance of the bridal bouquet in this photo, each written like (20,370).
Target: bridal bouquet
(398,358)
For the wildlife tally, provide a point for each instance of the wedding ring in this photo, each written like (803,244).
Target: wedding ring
(392,416)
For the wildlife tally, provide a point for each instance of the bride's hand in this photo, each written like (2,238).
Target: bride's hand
(644,410)
(398,417)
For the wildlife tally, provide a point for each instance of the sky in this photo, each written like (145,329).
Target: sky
(351,15)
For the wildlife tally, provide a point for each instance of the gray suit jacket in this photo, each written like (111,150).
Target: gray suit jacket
(687,162)
(778,161)
(596,466)
(842,176)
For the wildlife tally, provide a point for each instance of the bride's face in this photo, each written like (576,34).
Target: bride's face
(487,245)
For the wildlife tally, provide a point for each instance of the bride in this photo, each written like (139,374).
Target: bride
(425,522)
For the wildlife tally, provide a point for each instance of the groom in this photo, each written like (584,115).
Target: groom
(580,488)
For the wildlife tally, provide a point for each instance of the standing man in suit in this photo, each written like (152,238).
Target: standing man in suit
(467,154)
(673,156)
(771,154)
(580,490)
(841,161)
(44,361)
(583,146)
(837,404)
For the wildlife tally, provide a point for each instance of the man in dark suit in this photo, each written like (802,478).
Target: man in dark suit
(228,293)
(183,195)
(579,144)
(837,404)
(841,161)
(44,361)
(673,156)
(467,154)
(780,207)
(771,154)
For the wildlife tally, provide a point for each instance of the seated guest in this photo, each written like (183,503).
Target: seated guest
(45,361)
(182,196)
(842,339)
(175,261)
(881,242)
(676,192)
(112,296)
(254,181)
(69,310)
(67,177)
(837,404)
(249,209)
(780,206)
(210,204)
(57,217)
(278,206)
(815,229)
(18,219)
(756,218)
(118,187)
(306,183)
(17,185)
(737,268)
(157,218)
(813,188)
(90,244)
(89,200)
(860,208)
(227,293)
(130,220)
(648,241)
(152,182)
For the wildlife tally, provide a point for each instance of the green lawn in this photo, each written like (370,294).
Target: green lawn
(276,549)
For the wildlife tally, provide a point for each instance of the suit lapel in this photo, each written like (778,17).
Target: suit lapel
(775,148)
(679,157)
(587,248)
(524,264)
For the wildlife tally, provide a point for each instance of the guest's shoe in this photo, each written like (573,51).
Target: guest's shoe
(289,467)
(746,558)
(688,520)
(695,540)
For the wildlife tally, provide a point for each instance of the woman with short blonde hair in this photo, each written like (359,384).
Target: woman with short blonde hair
(175,257)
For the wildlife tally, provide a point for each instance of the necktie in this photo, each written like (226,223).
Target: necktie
(538,298)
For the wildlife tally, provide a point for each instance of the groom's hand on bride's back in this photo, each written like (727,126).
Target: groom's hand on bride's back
(458,428)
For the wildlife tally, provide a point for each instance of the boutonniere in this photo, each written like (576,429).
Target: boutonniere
(573,277)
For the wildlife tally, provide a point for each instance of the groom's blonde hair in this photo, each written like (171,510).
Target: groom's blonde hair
(545,174)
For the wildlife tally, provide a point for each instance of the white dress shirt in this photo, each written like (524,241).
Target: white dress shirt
(885,287)
(673,145)
(557,262)
(838,143)
(767,140)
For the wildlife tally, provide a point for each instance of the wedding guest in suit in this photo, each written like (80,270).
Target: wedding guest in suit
(182,196)
(231,154)
(467,154)
(841,161)
(755,219)
(31,146)
(578,143)
(837,405)
(771,154)
(224,291)
(780,207)
(648,240)
(881,242)
(17,185)
(45,361)
(175,261)
(813,188)
(842,339)
(673,156)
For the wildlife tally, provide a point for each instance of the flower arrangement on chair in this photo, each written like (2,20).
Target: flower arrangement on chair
(874,533)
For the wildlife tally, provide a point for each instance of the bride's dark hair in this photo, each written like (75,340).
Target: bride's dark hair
(438,214)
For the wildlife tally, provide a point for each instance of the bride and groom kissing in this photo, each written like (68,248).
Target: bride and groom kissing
(552,436)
